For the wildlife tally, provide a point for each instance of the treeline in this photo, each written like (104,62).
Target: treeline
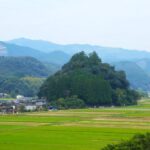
(92,81)
(27,86)
(21,75)
(21,67)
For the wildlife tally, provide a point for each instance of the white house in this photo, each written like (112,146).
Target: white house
(30,107)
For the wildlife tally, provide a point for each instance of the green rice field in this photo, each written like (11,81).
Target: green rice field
(7,99)
(83,129)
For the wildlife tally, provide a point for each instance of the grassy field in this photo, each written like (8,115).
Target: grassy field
(83,129)
(7,99)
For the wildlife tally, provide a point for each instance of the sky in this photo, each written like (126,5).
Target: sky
(115,23)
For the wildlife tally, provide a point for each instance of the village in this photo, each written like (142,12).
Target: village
(21,104)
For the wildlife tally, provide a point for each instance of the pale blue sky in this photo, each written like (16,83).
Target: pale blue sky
(117,23)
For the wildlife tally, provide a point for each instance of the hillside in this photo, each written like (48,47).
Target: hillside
(93,82)
(144,64)
(15,50)
(27,86)
(57,57)
(22,75)
(22,66)
(134,63)
(137,76)
(40,45)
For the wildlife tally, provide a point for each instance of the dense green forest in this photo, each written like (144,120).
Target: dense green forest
(138,142)
(92,81)
(27,86)
(22,75)
(134,63)
(22,66)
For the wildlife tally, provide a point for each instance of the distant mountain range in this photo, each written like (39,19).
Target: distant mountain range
(134,62)
(108,54)
(138,77)
(54,57)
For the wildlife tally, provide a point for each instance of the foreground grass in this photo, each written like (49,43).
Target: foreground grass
(84,129)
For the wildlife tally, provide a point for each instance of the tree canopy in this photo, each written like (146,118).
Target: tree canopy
(91,80)
(138,142)
(21,75)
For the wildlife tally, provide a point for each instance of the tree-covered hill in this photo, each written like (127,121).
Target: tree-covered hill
(144,64)
(94,82)
(22,75)
(22,66)
(136,62)
(27,86)
(137,76)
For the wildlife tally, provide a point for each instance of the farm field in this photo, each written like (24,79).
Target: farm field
(7,99)
(83,129)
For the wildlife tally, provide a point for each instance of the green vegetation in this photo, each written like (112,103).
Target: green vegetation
(70,102)
(21,67)
(21,75)
(137,76)
(96,83)
(33,83)
(134,63)
(138,142)
(27,86)
(75,129)
(7,99)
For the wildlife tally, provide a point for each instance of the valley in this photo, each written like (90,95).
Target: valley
(78,129)
(74,75)
(54,56)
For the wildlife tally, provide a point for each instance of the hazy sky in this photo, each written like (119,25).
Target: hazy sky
(117,23)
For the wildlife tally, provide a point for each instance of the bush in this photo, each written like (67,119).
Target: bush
(68,103)
(138,142)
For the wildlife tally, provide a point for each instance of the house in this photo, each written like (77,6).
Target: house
(3,95)
(6,107)
(30,107)
(22,104)
(19,97)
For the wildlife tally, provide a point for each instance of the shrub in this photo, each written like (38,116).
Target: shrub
(138,142)
(68,103)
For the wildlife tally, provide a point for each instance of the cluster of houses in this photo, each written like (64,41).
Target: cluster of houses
(22,104)
(4,95)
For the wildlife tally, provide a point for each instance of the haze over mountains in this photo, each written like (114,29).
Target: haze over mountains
(8,49)
(134,62)
(139,78)
(107,54)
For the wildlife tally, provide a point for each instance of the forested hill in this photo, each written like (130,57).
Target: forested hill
(22,66)
(92,81)
(21,75)
(137,75)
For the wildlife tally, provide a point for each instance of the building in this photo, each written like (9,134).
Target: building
(22,105)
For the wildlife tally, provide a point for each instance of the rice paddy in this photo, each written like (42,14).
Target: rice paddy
(79,129)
